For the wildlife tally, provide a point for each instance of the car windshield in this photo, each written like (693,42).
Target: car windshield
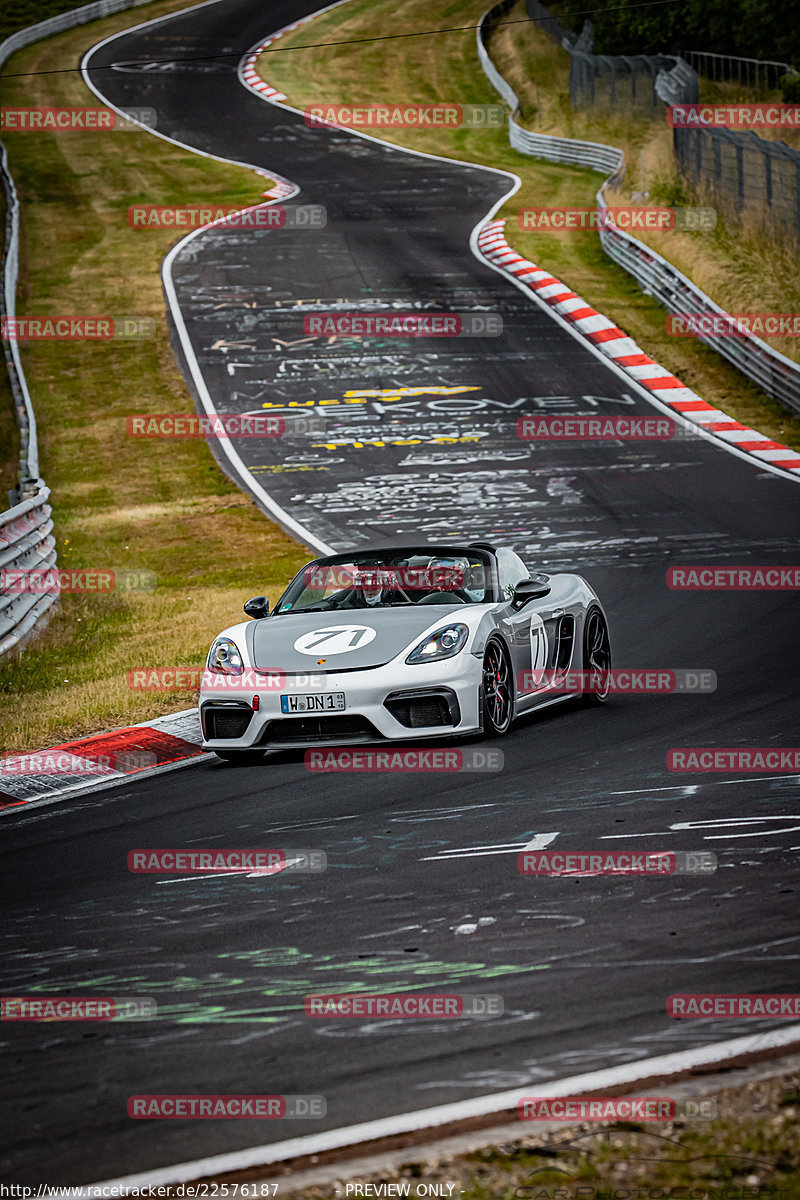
(385,581)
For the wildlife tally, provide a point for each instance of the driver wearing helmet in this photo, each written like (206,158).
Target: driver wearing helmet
(444,574)
(369,590)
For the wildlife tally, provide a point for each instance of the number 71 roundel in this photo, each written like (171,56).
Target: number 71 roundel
(337,639)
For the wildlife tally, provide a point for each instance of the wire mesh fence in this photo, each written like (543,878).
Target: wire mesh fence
(636,82)
(778,375)
(743,173)
(739,172)
(547,22)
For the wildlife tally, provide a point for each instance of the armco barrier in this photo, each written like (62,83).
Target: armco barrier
(26,537)
(778,375)
(26,542)
(489,69)
(570,151)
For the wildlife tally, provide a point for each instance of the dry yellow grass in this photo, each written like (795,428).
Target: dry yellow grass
(744,265)
(157,505)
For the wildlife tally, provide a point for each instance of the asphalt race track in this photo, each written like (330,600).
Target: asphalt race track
(422,889)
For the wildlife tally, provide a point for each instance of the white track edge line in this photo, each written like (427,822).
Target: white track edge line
(445,1114)
(688,425)
(240,470)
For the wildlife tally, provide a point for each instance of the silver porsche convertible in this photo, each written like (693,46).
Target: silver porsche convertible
(390,644)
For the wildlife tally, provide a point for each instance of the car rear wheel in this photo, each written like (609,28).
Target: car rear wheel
(596,657)
(498,690)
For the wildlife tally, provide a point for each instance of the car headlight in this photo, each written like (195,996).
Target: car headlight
(442,643)
(224,658)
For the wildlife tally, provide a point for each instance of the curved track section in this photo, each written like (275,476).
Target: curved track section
(421,890)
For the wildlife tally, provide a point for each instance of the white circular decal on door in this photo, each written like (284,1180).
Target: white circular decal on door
(336,639)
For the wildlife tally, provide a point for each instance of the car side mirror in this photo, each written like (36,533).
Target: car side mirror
(529,589)
(257,607)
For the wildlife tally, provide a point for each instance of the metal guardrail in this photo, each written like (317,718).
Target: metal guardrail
(777,375)
(62,22)
(570,151)
(26,529)
(754,72)
(491,72)
(26,420)
(26,543)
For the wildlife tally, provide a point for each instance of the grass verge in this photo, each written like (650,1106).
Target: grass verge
(750,1150)
(162,506)
(743,264)
(445,68)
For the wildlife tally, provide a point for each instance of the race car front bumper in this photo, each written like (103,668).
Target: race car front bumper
(388,703)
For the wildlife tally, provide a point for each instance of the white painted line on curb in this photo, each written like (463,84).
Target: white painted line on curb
(461,1110)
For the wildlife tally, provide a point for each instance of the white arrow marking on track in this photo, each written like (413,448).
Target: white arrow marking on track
(538,842)
(242,871)
(716,823)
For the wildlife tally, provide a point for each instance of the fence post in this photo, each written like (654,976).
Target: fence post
(778,375)
(717,167)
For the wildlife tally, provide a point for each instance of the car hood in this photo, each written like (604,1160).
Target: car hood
(346,641)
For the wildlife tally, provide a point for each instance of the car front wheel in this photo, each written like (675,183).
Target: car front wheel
(498,691)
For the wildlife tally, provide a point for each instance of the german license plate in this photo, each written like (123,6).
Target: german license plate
(314,702)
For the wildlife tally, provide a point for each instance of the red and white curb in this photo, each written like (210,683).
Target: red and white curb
(615,344)
(89,763)
(603,334)
(248,70)
(247,67)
